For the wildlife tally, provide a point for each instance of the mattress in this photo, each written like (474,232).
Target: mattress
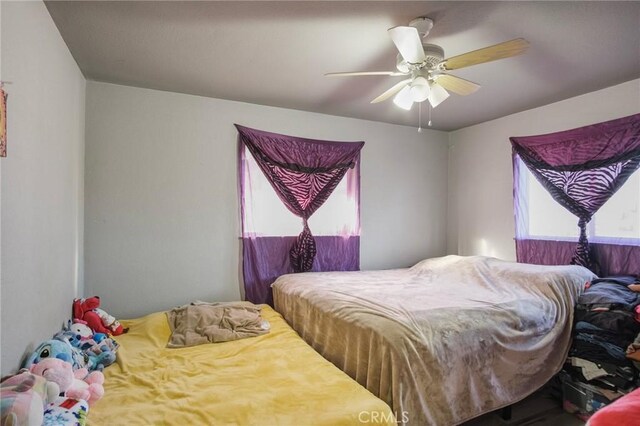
(444,341)
(274,379)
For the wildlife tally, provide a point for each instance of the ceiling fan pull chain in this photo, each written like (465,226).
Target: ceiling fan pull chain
(419,117)
(429,123)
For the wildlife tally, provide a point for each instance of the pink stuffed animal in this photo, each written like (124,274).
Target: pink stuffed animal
(75,384)
(24,398)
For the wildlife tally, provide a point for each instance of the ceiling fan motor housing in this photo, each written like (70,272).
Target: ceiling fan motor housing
(434,54)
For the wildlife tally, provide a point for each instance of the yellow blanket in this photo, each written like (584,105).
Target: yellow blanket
(274,379)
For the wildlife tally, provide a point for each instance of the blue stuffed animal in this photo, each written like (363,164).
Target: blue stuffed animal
(102,360)
(53,349)
(92,355)
(79,358)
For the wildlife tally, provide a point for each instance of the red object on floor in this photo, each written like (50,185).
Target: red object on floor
(622,412)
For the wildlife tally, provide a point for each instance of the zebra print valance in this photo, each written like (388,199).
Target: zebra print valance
(303,173)
(582,168)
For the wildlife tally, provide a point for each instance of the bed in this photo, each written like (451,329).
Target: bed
(444,341)
(274,379)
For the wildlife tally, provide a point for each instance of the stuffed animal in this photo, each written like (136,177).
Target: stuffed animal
(90,354)
(83,309)
(111,323)
(98,320)
(78,331)
(79,384)
(80,358)
(100,354)
(56,348)
(98,350)
(104,351)
(24,398)
(81,328)
(66,412)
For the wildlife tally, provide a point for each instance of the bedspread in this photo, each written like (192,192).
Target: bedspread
(273,379)
(444,341)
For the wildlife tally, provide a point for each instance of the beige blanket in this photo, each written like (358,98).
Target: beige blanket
(200,323)
(444,341)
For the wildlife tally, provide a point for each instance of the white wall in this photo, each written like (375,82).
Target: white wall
(480,208)
(161,210)
(42,180)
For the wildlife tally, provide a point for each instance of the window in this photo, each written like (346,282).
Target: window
(541,217)
(280,174)
(265,215)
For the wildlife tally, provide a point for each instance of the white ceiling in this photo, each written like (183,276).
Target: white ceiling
(275,53)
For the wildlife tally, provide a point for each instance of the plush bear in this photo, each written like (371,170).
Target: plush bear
(98,320)
(24,398)
(79,384)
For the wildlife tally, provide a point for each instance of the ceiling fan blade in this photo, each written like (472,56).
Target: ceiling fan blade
(457,85)
(350,74)
(392,91)
(487,54)
(409,44)
(437,95)
(404,99)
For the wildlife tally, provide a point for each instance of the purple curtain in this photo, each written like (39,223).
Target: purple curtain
(613,259)
(582,168)
(266,258)
(303,173)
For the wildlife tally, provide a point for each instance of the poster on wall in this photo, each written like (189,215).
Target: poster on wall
(3,122)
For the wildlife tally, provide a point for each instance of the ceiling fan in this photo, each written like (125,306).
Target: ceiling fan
(426,68)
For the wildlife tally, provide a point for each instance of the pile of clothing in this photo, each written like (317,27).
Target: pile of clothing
(607,323)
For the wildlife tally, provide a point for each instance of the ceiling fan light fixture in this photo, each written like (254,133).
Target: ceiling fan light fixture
(404,99)
(437,95)
(419,89)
